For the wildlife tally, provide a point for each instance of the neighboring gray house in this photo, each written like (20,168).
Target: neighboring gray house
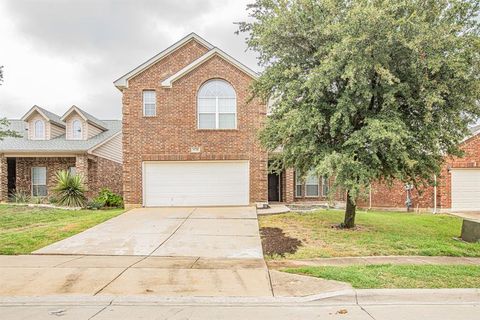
(76,141)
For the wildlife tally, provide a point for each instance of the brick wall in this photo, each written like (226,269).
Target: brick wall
(104,173)
(53,164)
(3,178)
(395,195)
(97,172)
(171,134)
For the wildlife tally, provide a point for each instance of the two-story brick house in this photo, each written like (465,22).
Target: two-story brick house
(190,138)
(76,141)
(190,132)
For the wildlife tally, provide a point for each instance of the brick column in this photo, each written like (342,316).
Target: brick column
(81,167)
(3,178)
(289,185)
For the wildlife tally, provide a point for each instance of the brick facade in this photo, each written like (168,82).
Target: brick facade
(97,172)
(104,173)
(173,131)
(3,178)
(53,165)
(395,196)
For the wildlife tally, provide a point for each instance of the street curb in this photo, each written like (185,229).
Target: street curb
(343,297)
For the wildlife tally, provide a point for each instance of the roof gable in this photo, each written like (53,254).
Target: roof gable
(85,116)
(49,116)
(210,54)
(122,82)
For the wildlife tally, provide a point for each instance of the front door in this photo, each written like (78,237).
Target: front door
(11,174)
(273,187)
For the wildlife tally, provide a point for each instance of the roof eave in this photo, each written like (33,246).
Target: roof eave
(167,83)
(122,82)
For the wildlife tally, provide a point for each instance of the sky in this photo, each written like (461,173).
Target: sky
(59,53)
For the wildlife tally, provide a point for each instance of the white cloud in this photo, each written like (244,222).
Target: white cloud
(59,53)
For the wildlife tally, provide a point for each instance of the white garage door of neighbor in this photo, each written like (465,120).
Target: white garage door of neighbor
(196,183)
(465,189)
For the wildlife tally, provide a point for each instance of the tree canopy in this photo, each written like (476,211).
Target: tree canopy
(367,90)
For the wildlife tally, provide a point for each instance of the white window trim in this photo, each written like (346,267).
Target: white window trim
(80,133)
(35,130)
(72,169)
(33,182)
(154,104)
(216,112)
(217,117)
(318,190)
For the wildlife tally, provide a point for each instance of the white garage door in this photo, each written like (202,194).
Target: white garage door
(465,189)
(196,183)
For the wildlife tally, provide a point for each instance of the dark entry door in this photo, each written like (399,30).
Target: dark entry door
(11,174)
(273,187)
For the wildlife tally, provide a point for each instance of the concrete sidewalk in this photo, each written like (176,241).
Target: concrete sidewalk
(347,261)
(44,275)
(384,304)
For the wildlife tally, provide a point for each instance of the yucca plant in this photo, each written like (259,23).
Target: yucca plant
(70,189)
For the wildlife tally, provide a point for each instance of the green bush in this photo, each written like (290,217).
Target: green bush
(70,189)
(94,205)
(109,199)
(37,200)
(19,197)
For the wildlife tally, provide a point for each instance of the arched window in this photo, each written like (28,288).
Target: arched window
(217,105)
(39,129)
(77,129)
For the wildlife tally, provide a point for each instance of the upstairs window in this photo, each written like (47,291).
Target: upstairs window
(217,105)
(39,132)
(77,129)
(149,103)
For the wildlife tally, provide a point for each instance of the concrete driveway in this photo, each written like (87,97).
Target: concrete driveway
(219,232)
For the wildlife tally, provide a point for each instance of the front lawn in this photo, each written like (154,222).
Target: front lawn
(377,233)
(25,229)
(399,276)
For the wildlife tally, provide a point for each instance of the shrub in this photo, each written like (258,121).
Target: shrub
(37,200)
(109,198)
(19,197)
(52,200)
(70,189)
(94,205)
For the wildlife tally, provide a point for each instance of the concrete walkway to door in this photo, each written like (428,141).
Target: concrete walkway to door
(218,232)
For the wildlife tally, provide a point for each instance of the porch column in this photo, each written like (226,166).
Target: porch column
(81,167)
(3,178)
(289,185)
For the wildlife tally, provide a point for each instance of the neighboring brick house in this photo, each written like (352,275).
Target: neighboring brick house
(77,141)
(190,133)
(457,187)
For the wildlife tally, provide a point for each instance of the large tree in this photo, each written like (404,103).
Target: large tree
(366,90)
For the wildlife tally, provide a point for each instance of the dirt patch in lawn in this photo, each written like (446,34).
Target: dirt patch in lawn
(275,242)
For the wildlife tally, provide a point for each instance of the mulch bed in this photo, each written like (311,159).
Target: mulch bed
(275,242)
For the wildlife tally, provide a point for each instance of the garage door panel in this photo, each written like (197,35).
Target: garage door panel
(465,189)
(196,183)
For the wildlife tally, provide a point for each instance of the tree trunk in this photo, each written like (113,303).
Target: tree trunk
(350,212)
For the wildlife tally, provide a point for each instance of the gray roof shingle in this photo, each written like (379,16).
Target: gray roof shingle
(58,144)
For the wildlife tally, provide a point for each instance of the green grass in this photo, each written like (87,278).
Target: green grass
(399,276)
(24,229)
(377,233)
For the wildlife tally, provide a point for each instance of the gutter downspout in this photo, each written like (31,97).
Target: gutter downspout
(434,194)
